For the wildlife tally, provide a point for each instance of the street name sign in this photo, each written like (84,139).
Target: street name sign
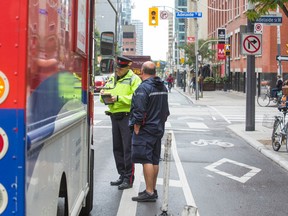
(281,58)
(270,19)
(188,14)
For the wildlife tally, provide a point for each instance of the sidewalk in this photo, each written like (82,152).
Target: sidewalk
(260,139)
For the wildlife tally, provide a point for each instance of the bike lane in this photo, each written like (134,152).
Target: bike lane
(226,175)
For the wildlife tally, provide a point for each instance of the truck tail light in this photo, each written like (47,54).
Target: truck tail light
(4,87)
(3,143)
(3,198)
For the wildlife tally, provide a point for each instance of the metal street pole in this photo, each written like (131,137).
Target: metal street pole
(279,46)
(116,23)
(251,82)
(196,53)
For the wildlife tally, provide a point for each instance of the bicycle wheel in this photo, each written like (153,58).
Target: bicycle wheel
(276,135)
(263,100)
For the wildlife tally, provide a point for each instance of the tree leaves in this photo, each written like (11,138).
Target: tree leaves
(263,7)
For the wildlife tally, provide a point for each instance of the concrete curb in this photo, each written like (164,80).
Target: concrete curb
(260,147)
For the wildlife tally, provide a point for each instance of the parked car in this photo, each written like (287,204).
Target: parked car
(99,82)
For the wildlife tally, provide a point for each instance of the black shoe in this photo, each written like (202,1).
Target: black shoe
(117,182)
(155,193)
(145,197)
(125,185)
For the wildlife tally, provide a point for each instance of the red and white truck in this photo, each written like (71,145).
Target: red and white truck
(46,107)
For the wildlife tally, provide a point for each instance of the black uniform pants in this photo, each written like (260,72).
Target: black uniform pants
(122,147)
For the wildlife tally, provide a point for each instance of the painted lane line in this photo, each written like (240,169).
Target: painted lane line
(253,170)
(220,114)
(172,183)
(127,206)
(190,117)
(109,127)
(189,130)
(168,125)
(198,125)
(185,186)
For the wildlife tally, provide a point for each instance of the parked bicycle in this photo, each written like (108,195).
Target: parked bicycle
(279,133)
(265,98)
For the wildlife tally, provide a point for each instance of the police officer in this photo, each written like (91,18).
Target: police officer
(123,84)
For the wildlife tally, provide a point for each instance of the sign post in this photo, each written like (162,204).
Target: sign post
(251,79)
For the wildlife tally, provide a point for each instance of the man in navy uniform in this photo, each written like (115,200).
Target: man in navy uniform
(149,112)
(119,110)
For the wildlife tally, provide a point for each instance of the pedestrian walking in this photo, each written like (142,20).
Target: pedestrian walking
(149,112)
(278,88)
(122,86)
(170,81)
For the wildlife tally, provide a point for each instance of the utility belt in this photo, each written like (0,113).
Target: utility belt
(118,115)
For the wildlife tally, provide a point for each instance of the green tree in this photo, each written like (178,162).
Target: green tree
(264,6)
(208,54)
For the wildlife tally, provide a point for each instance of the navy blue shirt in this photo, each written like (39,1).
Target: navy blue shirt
(149,106)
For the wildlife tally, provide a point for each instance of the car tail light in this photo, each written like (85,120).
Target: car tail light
(4,87)
(3,143)
(3,198)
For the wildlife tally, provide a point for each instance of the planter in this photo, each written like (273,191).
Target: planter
(208,86)
(225,86)
(219,86)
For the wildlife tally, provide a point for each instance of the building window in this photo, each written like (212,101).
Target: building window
(128,34)
(232,46)
(236,7)
(237,43)
(230,13)
(181,28)
(182,3)
(245,5)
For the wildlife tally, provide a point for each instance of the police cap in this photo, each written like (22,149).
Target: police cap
(123,61)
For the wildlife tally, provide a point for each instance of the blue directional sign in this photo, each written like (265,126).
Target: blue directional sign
(269,20)
(188,14)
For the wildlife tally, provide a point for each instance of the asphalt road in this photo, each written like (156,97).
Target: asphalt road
(210,167)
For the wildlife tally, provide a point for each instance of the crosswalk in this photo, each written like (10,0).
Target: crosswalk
(195,123)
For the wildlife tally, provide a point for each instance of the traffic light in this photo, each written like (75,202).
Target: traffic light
(153,16)
(287,48)
(158,64)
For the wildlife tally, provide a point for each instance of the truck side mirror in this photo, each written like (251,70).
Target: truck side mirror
(107,44)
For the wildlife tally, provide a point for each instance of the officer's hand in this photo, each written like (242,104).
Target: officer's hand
(114,98)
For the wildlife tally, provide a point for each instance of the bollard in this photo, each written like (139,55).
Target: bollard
(166,174)
(189,211)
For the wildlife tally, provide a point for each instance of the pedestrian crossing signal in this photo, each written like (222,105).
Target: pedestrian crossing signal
(227,49)
(153,16)
(287,48)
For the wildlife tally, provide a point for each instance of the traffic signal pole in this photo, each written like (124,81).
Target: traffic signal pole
(196,54)
(251,82)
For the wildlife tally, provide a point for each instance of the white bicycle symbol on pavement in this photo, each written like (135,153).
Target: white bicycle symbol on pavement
(202,142)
